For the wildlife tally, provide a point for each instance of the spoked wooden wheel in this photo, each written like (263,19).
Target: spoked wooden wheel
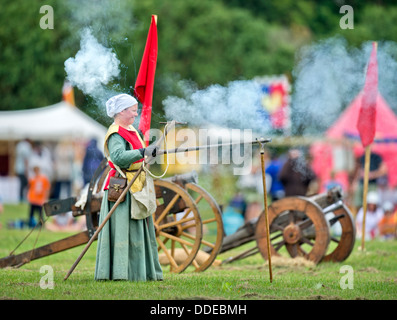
(213,233)
(176,213)
(344,236)
(296,224)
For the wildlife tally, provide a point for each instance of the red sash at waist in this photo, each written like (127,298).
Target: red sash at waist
(112,173)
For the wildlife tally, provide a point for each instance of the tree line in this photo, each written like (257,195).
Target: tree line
(206,41)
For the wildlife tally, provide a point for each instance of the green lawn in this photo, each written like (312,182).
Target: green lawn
(374,275)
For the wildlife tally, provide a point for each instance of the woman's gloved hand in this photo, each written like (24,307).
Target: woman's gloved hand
(149,153)
(151,150)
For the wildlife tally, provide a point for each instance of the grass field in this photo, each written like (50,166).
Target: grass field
(373,275)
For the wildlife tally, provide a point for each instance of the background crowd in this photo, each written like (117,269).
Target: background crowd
(53,172)
(291,174)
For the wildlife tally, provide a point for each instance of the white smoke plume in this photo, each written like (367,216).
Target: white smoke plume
(328,77)
(96,69)
(93,67)
(109,20)
(234,106)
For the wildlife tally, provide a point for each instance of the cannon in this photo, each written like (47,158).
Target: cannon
(183,210)
(188,222)
(178,223)
(300,227)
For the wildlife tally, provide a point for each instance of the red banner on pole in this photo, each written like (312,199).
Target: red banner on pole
(145,81)
(366,123)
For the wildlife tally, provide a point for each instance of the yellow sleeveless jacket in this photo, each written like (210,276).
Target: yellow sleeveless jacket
(131,170)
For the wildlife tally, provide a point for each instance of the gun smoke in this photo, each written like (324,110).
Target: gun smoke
(96,69)
(235,106)
(327,77)
(93,67)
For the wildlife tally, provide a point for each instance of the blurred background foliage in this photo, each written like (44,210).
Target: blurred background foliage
(205,41)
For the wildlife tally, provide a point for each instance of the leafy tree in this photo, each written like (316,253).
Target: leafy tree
(31,73)
(373,23)
(208,42)
(205,42)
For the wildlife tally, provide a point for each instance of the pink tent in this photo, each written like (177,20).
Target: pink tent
(385,142)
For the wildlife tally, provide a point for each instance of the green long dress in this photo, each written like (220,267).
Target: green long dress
(127,248)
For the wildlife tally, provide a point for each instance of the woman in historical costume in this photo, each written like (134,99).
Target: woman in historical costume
(127,248)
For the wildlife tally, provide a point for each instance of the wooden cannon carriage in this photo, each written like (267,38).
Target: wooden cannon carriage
(178,223)
(301,227)
(188,220)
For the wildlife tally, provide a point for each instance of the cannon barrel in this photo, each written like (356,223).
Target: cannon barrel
(185,178)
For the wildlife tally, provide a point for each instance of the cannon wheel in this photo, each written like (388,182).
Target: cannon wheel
(176,212)
(299,225)
(214,220)
(345,242)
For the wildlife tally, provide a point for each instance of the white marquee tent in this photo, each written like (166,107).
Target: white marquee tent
(54,123)
(51,123)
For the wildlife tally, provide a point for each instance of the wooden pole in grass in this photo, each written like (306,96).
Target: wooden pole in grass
(95,235)
(365,191)
(269,254)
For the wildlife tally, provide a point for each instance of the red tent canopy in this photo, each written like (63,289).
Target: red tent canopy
(385,143)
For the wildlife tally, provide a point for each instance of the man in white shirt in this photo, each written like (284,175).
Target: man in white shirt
(373,216)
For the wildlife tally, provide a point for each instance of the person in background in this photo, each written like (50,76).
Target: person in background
(332,182)
(273,169)
(23,153)
(296,174)
(251,187)
(38,194)
(92,158)
(377,172)
(373,216)
(388,224)
(42,157)
(65,222)
(233,215)
(63,169)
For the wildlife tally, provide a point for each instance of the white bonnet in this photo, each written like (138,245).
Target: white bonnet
(373,197)
(118,103)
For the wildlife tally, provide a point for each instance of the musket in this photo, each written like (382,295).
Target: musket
(208,146)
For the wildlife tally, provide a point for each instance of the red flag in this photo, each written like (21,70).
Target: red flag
(145,81)
(366,123)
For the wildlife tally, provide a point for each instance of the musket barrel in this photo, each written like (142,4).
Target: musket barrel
(196,148)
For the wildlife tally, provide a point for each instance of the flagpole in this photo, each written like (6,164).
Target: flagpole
(365,192)
(366,125)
